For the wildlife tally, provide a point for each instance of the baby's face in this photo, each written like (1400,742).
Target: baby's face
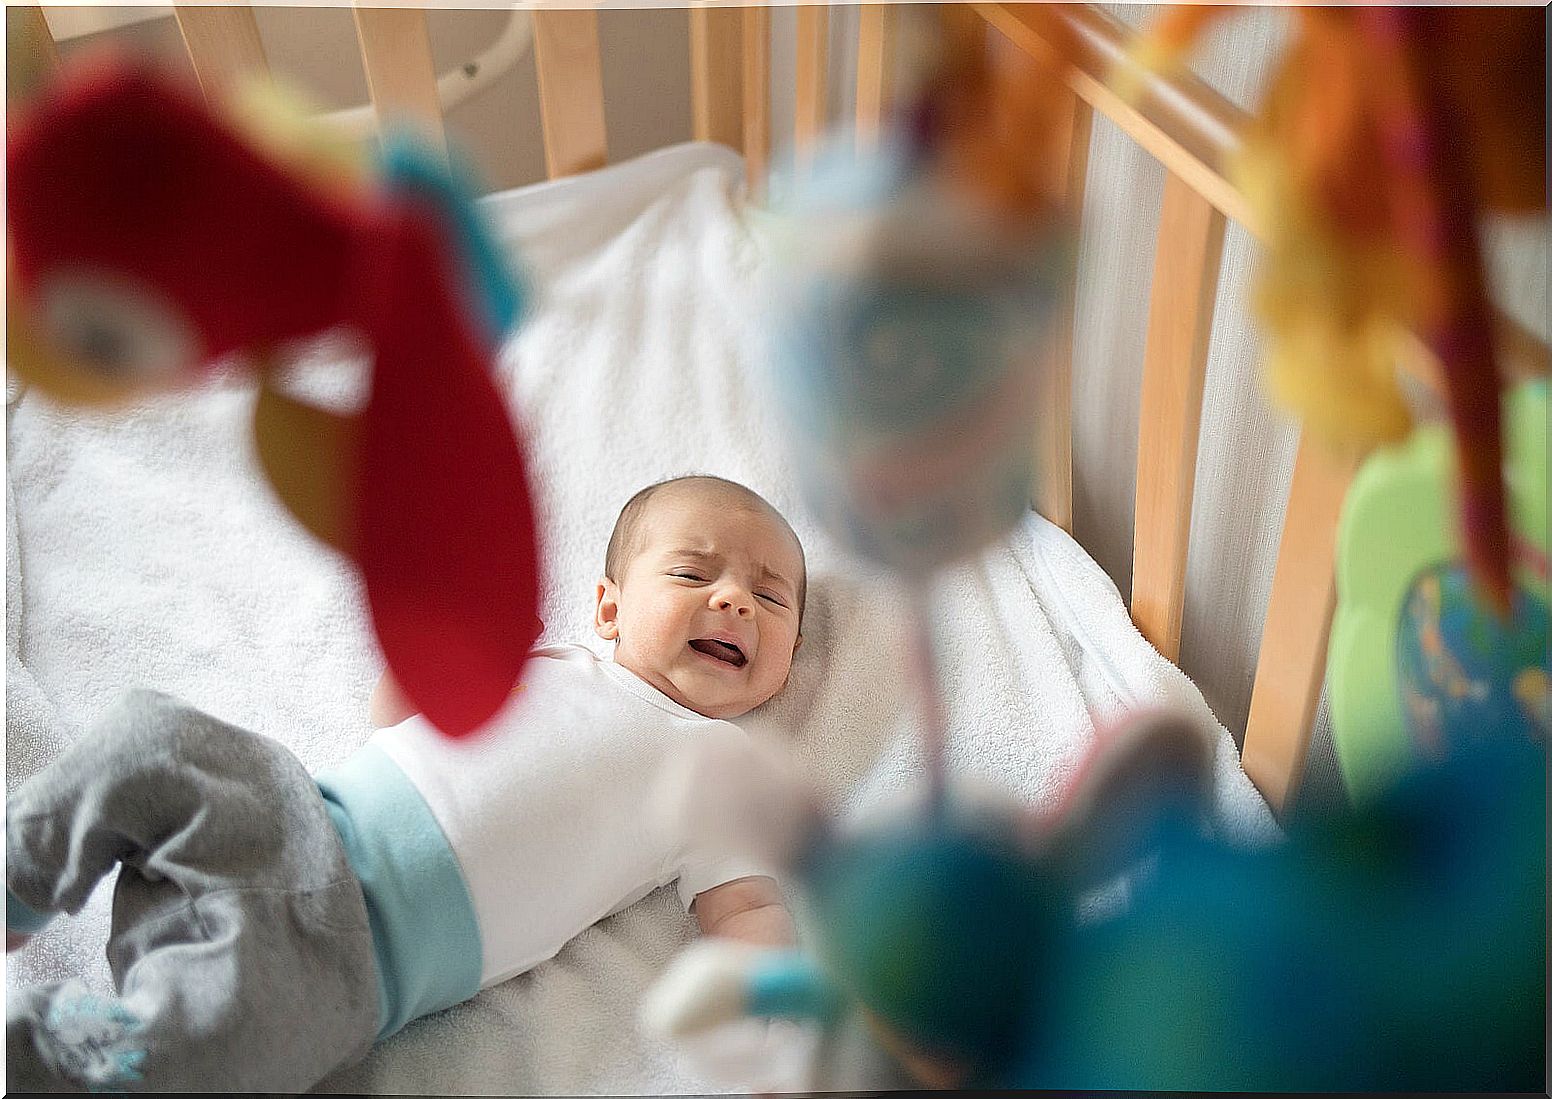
(706,609)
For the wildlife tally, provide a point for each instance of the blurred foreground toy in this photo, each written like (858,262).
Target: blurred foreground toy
(1385,134)
(910,313)
(939,927)
(149,239)
(1398,948)
(1418,663)
(913,303)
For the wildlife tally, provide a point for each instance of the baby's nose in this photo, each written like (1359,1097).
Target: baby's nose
(734,601)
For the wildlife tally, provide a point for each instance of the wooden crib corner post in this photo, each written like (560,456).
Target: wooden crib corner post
(400,75)
(1180,312)
(224,47)
(1291,667)
(571,90)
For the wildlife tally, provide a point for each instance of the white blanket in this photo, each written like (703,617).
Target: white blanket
(144,549)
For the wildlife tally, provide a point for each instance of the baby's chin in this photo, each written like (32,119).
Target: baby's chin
(723,705)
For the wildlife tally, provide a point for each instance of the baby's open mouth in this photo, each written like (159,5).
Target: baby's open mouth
(724,651)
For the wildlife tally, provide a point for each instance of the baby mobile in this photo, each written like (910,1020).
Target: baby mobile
(1394,948)
(1387,133)
(917,288)
(151,237)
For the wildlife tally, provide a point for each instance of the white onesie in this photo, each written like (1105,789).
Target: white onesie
(548,815)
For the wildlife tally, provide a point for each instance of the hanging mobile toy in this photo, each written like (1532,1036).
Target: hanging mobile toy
(148,239)
(1385,132)
(1417,668)
(912,308)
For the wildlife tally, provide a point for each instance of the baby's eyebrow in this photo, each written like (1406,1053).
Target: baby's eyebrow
(768,573)
(695,554)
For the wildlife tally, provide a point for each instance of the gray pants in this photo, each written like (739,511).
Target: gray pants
(240,945)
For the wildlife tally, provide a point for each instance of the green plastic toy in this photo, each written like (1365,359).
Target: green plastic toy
(1416,661)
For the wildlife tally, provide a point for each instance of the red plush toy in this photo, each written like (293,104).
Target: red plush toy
(148,239)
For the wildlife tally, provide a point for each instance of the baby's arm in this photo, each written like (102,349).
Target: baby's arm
(749,910)
(388,706)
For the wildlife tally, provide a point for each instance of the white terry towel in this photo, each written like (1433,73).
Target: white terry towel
(145,549)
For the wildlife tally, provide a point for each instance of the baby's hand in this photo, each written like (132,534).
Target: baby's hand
(749,910)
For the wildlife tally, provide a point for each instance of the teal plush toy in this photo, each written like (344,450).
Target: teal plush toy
(1398,947)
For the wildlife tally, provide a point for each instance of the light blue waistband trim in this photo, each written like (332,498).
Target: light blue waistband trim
(20,918)
(424,932)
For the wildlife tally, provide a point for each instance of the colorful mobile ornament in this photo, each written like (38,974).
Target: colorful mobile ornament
(149,239)
(911,311)
(1384,135)
(1418,666)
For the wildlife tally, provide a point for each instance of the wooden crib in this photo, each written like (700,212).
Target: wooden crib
(1188,127)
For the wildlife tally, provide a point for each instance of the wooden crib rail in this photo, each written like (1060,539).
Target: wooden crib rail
(400,75)
(1195,134)
(571,90)
(223,45)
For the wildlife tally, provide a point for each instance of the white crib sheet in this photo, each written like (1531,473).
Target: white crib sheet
(144,549)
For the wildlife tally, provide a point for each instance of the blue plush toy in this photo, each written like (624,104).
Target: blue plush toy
(1400,947)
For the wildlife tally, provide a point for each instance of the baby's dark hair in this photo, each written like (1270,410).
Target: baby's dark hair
(623,542)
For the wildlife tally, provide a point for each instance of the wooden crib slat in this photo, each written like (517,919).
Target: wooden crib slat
(716,64)
(396,53)
(1180,312)
(757,96)
(223,44)
(813,64)
(961,26)
(877,29)
(1053,456)
(571,90)
(1292,663)
(30,53)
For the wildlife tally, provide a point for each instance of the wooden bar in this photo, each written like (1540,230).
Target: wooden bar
(716,69)
(757,96)
(813,63)
(1180,313)
(571,90)
(1053,457)
(877,29)
(1292,663)
(223,44)
(962,27)
(396,53)
(1187,126)
(1196,133)
(30,53)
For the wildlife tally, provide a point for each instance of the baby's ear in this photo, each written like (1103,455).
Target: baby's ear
(606,610)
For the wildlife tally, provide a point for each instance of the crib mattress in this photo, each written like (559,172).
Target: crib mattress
(144,548)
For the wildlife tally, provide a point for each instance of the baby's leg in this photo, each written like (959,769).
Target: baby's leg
(240,945)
